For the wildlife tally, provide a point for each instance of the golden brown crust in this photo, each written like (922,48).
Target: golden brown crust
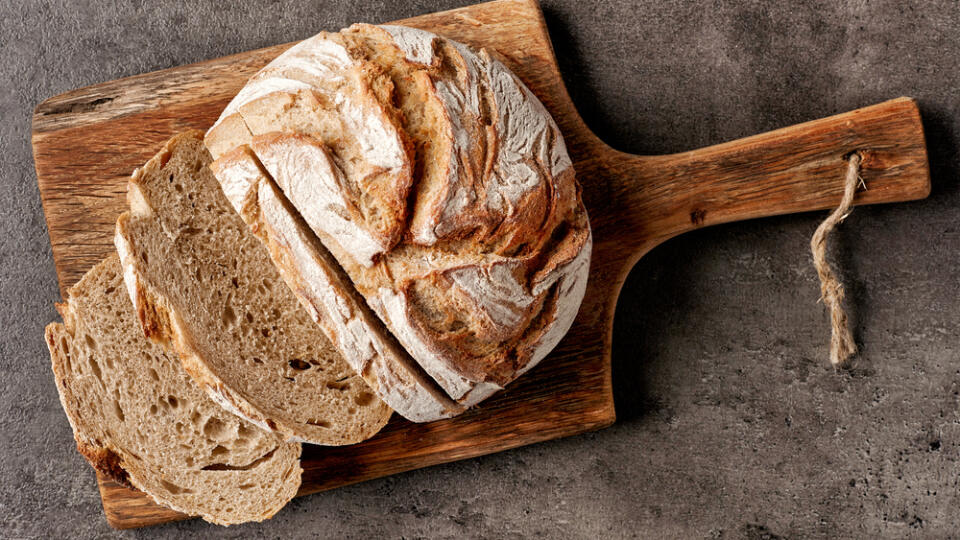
(154,318)
(105,461)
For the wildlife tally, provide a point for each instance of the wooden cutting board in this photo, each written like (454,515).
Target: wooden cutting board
(86,143)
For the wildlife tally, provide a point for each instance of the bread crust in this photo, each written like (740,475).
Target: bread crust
(106,461)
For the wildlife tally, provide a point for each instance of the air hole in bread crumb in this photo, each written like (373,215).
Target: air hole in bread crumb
(153,409)
(215,429)
(257,361)
(229,317)
(172,400)
(244,487)
(92,343)
(153,374)
(319,423)
(363,399)
(336,385)
(173,488)
(65,349)
(265,332)
(95,367)
(243,433)
(218,450)
(249,317)
(118,410)
(299,364)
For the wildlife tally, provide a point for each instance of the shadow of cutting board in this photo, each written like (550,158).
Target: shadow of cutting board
(88,141)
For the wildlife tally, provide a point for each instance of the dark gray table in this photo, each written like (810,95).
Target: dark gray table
(732,424)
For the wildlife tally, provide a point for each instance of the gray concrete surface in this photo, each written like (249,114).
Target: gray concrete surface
(731,423)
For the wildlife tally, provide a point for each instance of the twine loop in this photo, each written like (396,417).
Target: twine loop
(842,345)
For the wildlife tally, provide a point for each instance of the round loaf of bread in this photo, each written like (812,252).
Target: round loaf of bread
(438,185)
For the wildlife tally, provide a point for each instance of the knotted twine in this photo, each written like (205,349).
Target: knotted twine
(842,346)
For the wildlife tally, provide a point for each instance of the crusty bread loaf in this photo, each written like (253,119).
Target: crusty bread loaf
(438,183)
(138,417)
(203,284)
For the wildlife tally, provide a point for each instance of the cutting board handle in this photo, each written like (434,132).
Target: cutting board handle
(794,169)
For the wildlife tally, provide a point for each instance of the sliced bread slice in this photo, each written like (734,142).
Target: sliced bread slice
(138,417)
(203,284)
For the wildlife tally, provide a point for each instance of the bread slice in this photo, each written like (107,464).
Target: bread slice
(204,285)
(138,417)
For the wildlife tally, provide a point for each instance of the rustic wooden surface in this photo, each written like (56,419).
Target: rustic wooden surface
(86,142)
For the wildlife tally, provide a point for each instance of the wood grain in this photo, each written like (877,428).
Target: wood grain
(86,142)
